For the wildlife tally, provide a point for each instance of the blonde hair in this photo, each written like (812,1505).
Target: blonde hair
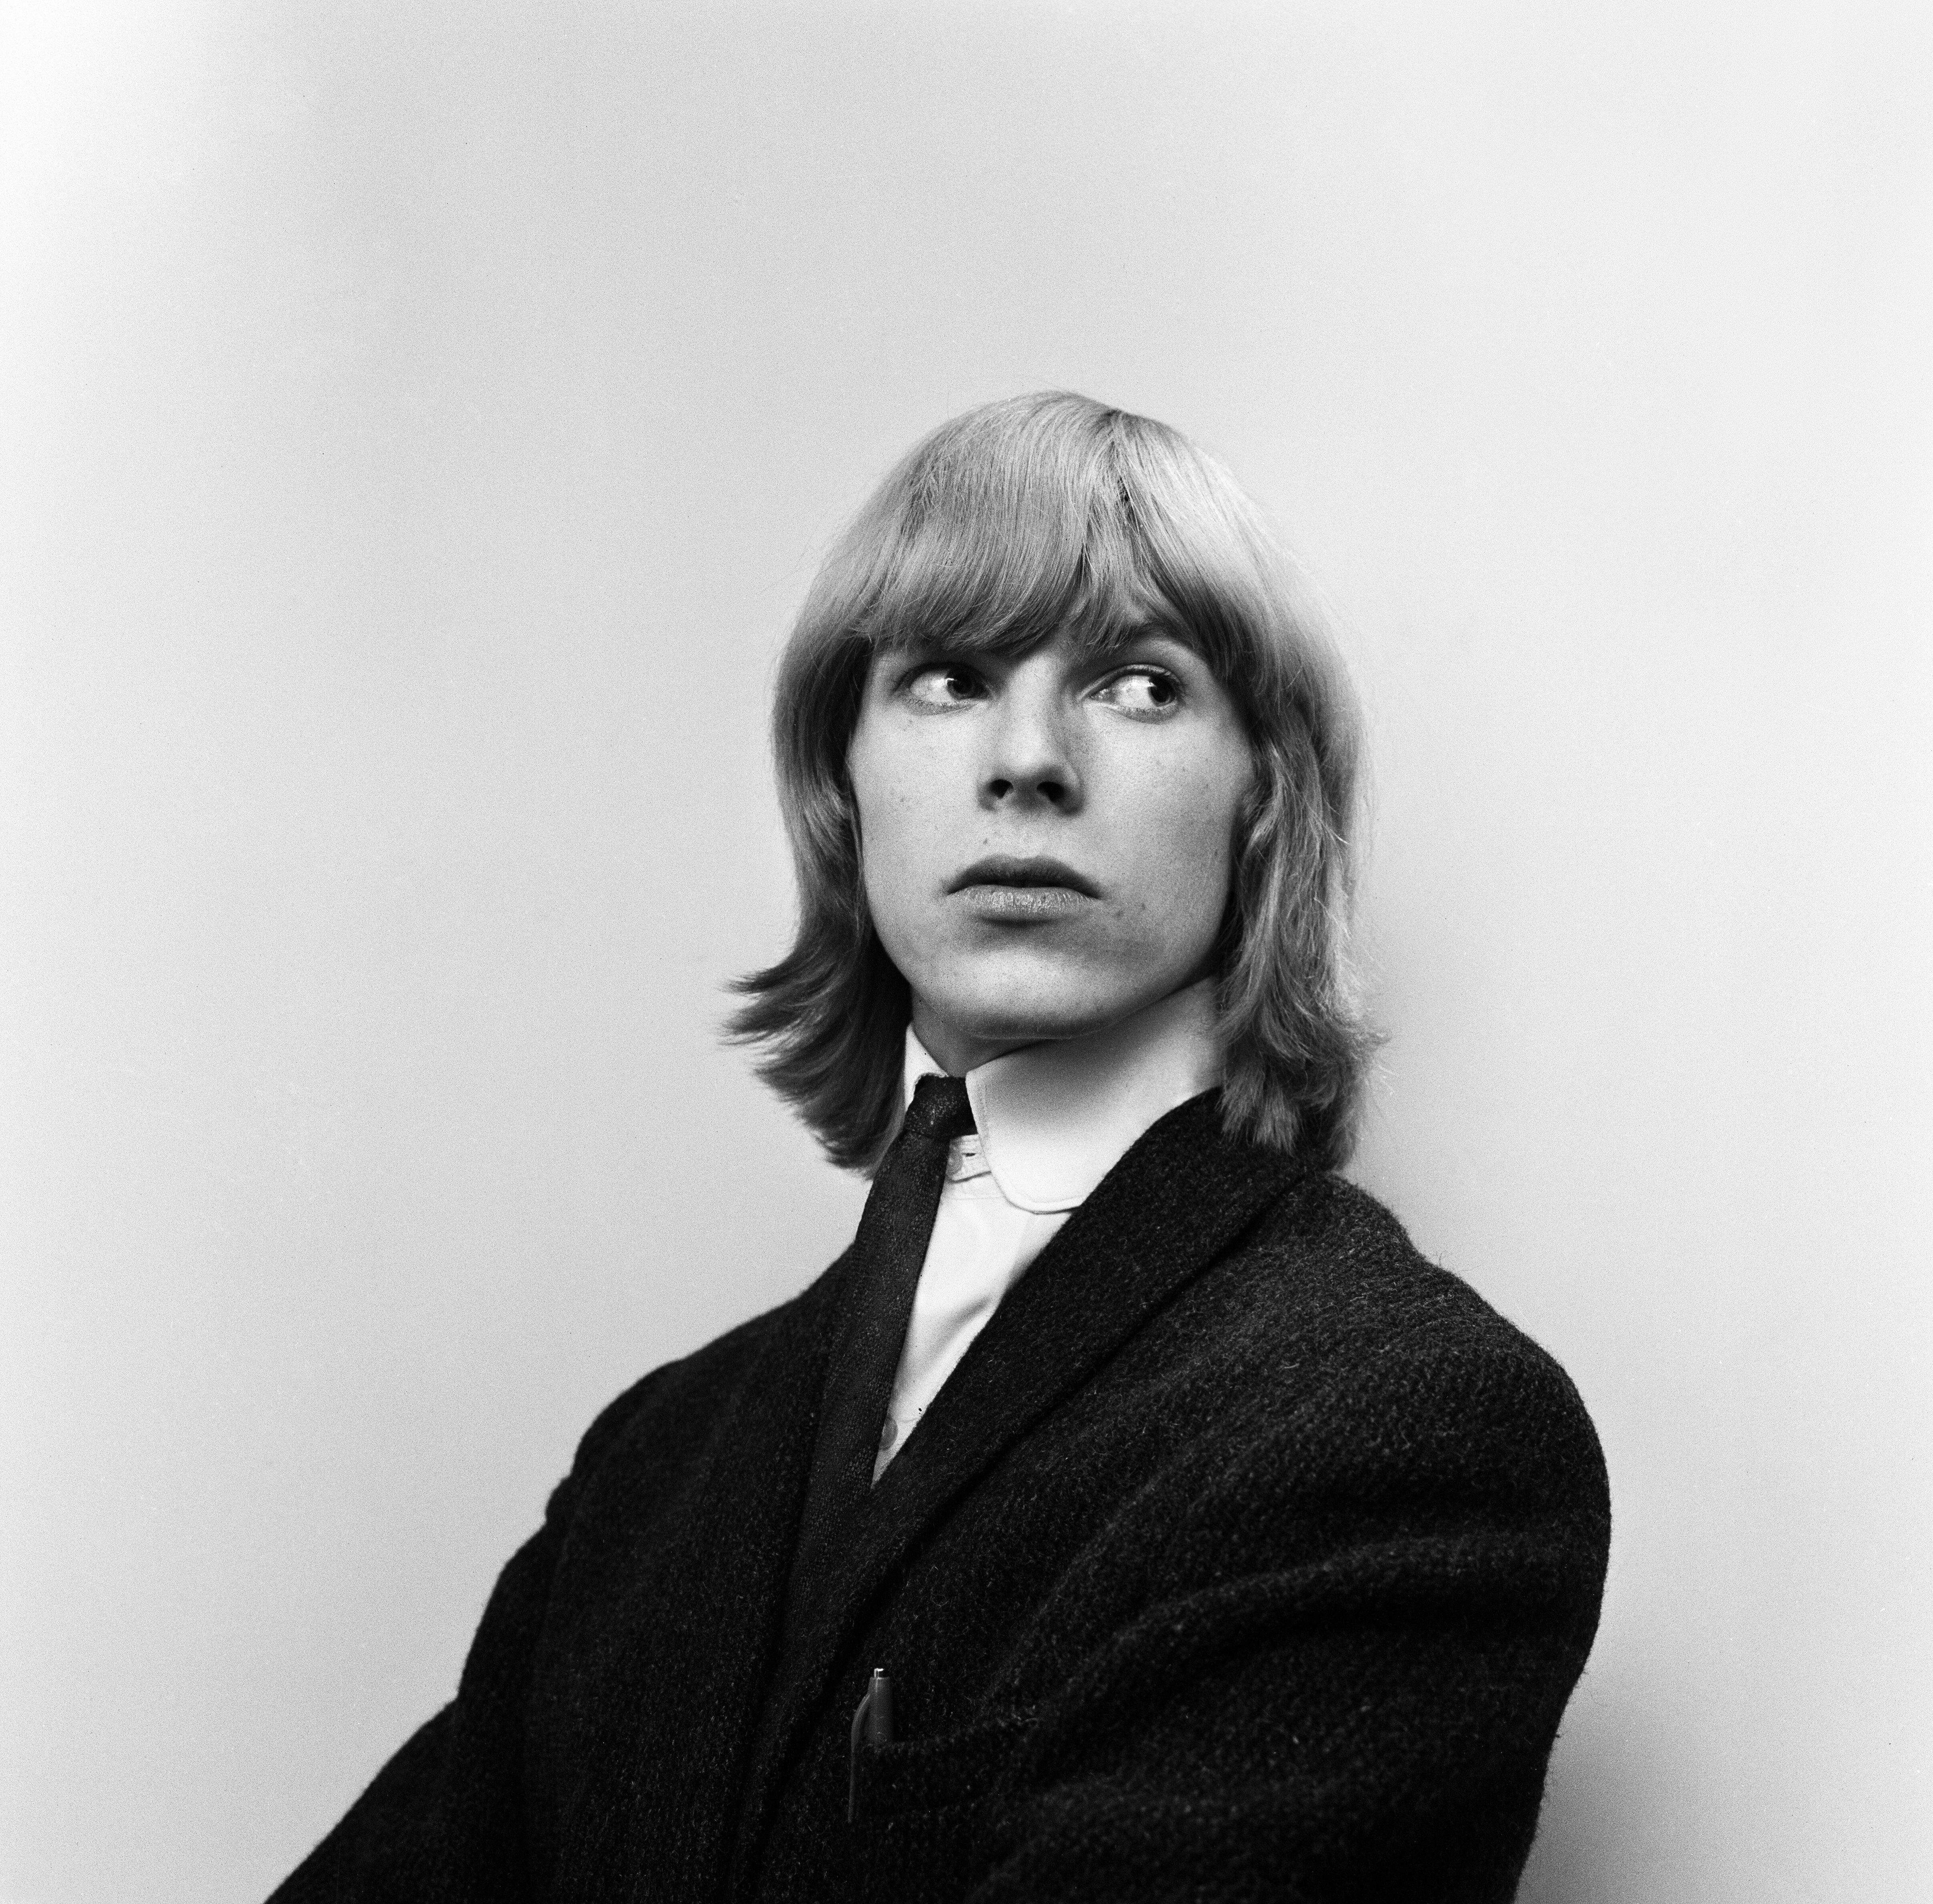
(1054,513)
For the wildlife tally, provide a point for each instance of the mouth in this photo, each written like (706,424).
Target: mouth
(1036,875)
(1006,892)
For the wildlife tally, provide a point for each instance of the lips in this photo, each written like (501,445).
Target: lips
(1004,869)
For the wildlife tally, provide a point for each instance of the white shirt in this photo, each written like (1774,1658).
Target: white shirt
(1051,1121)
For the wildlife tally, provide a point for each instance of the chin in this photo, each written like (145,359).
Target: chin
(1009,1006)
(1019,1022)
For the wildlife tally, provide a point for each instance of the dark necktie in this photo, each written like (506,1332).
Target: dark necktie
(888,1253)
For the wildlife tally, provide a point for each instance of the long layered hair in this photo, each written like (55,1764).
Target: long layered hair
(1054,513)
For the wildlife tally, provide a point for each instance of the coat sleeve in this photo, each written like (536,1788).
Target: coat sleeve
(443,1819)
(1347,1676)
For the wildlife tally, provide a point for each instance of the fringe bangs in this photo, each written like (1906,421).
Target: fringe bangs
(1009,532)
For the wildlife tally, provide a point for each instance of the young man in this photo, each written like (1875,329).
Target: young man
(1130,1512)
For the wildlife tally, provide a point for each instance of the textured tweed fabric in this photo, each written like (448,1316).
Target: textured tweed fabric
(1246,1555)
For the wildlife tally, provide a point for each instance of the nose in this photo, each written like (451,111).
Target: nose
(1030,759)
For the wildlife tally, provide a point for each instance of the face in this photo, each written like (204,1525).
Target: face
(1046,840)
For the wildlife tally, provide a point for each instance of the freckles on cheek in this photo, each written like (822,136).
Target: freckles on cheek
(1195,811)
(1197,825)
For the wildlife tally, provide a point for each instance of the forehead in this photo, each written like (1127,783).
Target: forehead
(1080,641)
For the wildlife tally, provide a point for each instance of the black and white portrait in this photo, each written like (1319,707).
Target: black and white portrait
(965,951)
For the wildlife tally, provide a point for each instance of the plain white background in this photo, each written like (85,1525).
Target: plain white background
(419,422)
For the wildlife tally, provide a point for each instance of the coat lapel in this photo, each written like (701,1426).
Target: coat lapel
(1172,1205)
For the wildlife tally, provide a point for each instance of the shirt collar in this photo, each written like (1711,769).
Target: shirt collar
(1055,1118)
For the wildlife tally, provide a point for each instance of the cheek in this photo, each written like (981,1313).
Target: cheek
(1186,832)
(894,841)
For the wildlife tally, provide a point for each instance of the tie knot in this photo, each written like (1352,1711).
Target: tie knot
(939,1109)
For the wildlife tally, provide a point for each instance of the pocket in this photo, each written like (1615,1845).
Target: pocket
(919,1805)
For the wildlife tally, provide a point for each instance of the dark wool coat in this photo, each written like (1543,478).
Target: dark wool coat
(1245,1555)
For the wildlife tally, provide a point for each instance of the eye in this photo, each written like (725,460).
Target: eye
(942,684)
(1147,693)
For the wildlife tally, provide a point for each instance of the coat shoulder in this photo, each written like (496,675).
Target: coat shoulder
(1325,1248)
(1330,1273)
